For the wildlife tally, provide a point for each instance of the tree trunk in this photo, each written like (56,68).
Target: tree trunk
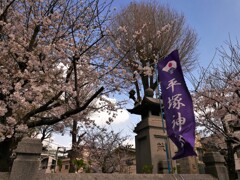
(230,161)
(6,148)
(104,166)
(73,153)
(230,153)
(72,156)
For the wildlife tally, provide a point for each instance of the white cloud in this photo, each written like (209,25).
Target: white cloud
(58,140)
(101,117)
(123,121)
(119,116)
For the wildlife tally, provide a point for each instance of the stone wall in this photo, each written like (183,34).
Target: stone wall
(127,177)
(5,176)
(26,167)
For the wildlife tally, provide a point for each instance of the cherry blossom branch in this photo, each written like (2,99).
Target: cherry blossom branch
(217,100)
(53,120)
(45,107)
(41,108)
(4,14)
(33,38)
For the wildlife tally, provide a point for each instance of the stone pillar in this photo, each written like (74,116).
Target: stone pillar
(26,165)
(153,148)
(214,165)
(188,165)
(237,160)
(163,167)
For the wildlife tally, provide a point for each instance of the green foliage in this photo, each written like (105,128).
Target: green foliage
(147,169)
(59,163)
(79,163)
(174,170)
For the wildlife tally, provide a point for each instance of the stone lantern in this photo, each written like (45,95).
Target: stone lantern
(153,148)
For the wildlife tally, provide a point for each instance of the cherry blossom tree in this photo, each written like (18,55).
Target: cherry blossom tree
(54,60)
(145,32)
(105,150)
(217,100)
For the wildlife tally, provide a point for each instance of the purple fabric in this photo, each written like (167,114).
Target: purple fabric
(178,106)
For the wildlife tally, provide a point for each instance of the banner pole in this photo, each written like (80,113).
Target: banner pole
(166,141)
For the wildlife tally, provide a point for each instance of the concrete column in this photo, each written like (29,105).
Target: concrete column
(214,165)
(26,165)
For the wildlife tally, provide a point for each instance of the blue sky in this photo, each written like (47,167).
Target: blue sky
(213,20)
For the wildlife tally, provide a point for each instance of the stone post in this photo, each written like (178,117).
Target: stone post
(214,165)
(26,165)
(188,165)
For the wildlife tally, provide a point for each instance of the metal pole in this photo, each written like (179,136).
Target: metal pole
(166,142)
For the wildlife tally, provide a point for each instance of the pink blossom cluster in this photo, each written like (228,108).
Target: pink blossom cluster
(54,57)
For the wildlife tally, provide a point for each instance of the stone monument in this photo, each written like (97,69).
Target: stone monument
(188,165)
(26,165)
(215,165)
(153,148)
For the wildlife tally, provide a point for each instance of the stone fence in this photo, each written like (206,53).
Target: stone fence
(96,176)
(26,167)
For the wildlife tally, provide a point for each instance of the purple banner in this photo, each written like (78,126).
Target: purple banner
(178,106)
